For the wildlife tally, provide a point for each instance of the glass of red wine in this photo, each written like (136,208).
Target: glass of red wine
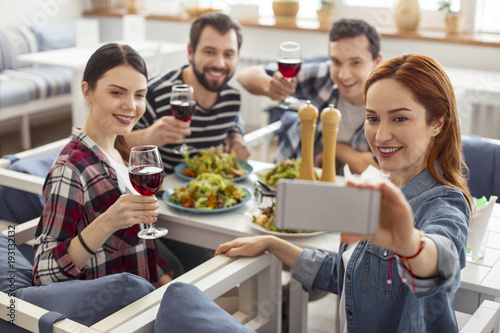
(182,107)
(289,62)
(145,170)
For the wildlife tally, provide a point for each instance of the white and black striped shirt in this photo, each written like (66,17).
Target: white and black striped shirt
(208,127)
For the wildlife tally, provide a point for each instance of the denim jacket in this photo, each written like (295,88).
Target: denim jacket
(372,305)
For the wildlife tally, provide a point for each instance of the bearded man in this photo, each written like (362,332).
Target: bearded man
(213,53)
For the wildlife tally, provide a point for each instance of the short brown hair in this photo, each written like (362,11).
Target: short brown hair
(219,21)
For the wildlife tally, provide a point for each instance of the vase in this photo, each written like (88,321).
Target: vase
(407,14)
(102,4)
(454,24)
(132,6)
(325,17)
(285,11)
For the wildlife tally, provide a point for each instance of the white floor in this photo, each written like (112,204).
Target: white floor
(322,316)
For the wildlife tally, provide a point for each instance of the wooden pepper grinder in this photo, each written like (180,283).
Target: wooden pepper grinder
(308,115)
(330,117)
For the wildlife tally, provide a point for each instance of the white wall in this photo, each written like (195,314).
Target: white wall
(265,41)
(39,12)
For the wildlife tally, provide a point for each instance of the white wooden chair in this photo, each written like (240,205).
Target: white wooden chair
(258,279)
(255,278)
(485,319)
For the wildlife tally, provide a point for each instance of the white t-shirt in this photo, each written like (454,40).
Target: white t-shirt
(352,118)
(122,175)
(345,259)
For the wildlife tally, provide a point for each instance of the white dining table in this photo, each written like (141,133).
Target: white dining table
(210,230)
(76,59)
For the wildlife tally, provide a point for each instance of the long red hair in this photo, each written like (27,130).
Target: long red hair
(432,89)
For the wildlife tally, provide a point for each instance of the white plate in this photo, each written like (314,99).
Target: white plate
(338,179)
(248,220)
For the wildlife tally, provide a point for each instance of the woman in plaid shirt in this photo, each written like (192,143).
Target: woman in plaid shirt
(88,228)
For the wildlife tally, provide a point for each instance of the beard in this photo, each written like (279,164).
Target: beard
(208,84)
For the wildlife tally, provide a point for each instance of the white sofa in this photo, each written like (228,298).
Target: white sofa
(24,89)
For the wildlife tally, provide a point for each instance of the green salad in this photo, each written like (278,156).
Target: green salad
(213,161)
(288,168)
(208,191)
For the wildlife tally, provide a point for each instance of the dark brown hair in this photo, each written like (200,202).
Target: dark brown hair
(106,58)
(346,28)
(219,21)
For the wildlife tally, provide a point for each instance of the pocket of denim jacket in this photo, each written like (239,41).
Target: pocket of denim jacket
(377,272)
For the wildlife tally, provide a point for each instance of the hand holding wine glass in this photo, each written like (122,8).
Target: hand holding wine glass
(289,63)
(182,107)
(146,175)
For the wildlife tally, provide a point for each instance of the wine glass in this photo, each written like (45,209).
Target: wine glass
(289,62)
(145,170)
(182,107)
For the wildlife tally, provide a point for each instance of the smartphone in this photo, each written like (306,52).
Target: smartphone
(324,206)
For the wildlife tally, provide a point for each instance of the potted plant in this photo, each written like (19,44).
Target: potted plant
(285,11)
(325,13)
(453,19)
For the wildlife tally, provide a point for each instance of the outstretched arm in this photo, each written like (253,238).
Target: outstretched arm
(397,231)
(358,161)
(253,246)
(256,80)
(163,131)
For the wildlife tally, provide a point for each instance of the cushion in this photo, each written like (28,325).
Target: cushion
(185,308)
(20,206)
(483,159)
(88,301)
(41,81)
(12,93)
(56,35)
(84,301)
(15,270)
(13,42)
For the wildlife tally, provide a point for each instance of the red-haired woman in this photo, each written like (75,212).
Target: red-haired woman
(403,278)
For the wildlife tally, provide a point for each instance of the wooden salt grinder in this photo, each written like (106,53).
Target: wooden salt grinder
(308,115)
(330,117)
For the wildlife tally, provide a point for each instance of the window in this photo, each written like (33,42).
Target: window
(487,16)
(424,4)
(380,12)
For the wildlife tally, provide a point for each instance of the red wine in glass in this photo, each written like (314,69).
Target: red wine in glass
(182,107)
(146,180)
(289,68)
(182,110)
(289,63)
(145,169)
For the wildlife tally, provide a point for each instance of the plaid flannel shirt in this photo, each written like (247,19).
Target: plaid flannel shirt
(80,186)
(315,84)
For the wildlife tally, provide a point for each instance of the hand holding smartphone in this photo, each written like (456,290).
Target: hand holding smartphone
(312,205)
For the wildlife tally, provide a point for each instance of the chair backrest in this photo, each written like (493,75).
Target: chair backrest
(21,180)
(486,319)
(18,205)
(482,157)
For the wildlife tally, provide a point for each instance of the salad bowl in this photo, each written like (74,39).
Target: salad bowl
(181,166)
(207,194)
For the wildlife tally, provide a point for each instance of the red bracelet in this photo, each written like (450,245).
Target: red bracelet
(405,260)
